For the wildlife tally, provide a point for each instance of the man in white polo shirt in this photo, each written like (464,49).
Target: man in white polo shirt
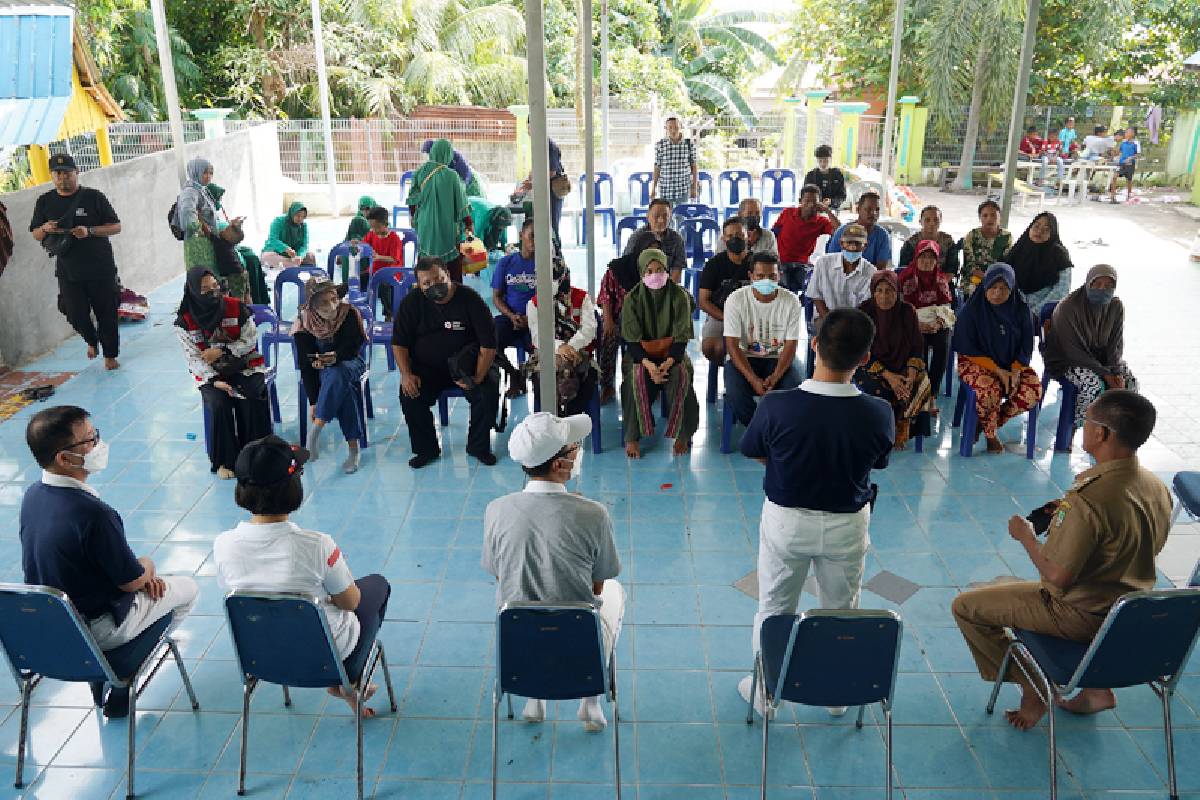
(546,544)
(842,279)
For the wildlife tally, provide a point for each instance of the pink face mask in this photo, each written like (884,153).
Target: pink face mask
(656,280)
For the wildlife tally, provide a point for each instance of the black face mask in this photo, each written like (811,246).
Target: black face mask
(438,292)
(736,245)
(752,221)
(207,300)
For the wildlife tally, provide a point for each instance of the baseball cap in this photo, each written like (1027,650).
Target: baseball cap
(854,233)
(62,162)
(268,461)
(540,436)
(928,244)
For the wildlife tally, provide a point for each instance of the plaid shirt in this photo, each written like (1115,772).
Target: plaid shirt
(674,163)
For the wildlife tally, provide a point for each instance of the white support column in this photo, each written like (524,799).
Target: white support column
(889,124)
(1032,13)
(589,148)
(323,92)
(535,37)
(604,87)
(166,62)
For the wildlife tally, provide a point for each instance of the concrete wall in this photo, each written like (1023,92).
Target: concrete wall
(142,191)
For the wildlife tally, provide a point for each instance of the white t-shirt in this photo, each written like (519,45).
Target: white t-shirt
(830,284)
(762,328)
(283,557)
(1098,145)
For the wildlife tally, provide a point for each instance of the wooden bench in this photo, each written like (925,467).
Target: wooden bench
(1020,187)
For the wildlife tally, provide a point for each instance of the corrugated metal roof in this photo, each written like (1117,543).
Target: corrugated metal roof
(36,64)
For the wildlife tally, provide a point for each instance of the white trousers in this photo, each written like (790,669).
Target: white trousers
(179,597)
(791,540)
(611,611)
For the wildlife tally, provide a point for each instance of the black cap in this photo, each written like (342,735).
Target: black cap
(268,461)
(62,162)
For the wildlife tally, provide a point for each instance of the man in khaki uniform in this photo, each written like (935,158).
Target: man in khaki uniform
(1101,544)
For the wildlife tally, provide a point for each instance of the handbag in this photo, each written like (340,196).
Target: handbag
(658,349)
(560,186)
(58,245)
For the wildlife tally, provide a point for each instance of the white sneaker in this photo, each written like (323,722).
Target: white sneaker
(744,690)
(592,715)
(534,711)
(837,711)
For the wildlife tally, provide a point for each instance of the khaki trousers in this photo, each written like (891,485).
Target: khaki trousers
(983,614)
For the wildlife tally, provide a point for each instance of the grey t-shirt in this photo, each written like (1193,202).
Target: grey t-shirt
(548,546)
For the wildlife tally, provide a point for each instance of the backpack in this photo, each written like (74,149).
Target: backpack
(173,221)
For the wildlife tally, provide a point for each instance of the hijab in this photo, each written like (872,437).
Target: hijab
(650,314)
(897,333)
(457,163)
(1003,333)
(309,321)
(440,201)
(922,289)
(359,225)
(292,234)
(1084,334)
(207,311)
(195,194)
(1037,265)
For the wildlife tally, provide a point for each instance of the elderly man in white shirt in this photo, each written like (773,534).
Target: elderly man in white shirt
(546,544)
(842,279)
(758,238)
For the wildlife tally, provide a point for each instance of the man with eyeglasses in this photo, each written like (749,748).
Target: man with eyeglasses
(1101,542)
(75,542)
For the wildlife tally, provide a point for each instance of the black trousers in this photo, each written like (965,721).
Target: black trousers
(236,423)
(418,414)
(79,300)
(939,344)
(372,605)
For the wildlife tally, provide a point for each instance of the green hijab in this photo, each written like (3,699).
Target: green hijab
(440,201)
(650,314)
(286,233)
(359,225)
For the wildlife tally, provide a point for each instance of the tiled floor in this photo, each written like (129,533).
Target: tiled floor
(686,532)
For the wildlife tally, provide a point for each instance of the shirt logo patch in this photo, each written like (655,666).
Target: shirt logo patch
(334,556)
(454,325)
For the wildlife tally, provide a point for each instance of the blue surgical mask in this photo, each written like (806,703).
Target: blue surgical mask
(765,286)
(851,256)
(1100,297)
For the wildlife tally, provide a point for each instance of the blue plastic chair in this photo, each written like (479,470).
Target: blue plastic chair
(1187,494)
(966,416)
(552,651)
(45,637)
(411,244)
(593,412)
(268,345)
(700,236)
(769,213)
(604,205)
(631,224)
(1146,638)
(727,419)
(406,180)
(294,276)
(1065,429)
(343,249)
(733,185)
(284,639)
(639,191)
(827,657)
(687,210)
(397,211)
(771,187)
(714,371)
(379,331)
(707,191)
(363,402)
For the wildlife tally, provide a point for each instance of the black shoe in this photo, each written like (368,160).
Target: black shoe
(117,704)
(486,457)
(97,688)
(422,459)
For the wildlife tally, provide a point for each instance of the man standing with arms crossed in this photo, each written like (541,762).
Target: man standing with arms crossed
(676,172)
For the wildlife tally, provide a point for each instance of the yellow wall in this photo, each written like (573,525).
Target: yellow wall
(83,113)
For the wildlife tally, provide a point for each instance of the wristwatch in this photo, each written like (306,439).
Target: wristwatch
(89,230)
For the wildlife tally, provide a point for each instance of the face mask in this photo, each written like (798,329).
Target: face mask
(1100,297)
(96,459)
(765,286)
(438,292)
(577,466)
(752,221)
(851,256)
(656,280)
(327,312)
(736,245)
(210,299)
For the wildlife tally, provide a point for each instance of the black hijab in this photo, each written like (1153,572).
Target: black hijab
(625,270)
(206,310)
(1038,265)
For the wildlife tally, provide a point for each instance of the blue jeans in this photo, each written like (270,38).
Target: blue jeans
(339,396)
(740,395)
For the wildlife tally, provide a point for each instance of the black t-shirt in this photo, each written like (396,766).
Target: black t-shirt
(720,270)
(832,183)
(90,258)
(433,333)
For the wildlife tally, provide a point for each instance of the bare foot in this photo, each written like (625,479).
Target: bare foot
(91,353)
(111,364)
(994,445)
(1090,701)
(900,446)
(1032,709)
(352,699)
(633,449)
(682,447)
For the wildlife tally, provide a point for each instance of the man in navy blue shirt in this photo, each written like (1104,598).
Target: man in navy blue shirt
(820,443)
(513,285)
(75,542)
(879,241)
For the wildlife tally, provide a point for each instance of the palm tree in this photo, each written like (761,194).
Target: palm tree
(708,48)
(138,82)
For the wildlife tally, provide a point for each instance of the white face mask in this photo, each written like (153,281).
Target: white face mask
(577,465)
(95,459)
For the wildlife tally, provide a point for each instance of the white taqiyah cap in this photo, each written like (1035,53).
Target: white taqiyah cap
(541,435)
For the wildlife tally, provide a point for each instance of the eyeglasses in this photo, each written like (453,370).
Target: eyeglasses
(92,440)
(1098,423)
